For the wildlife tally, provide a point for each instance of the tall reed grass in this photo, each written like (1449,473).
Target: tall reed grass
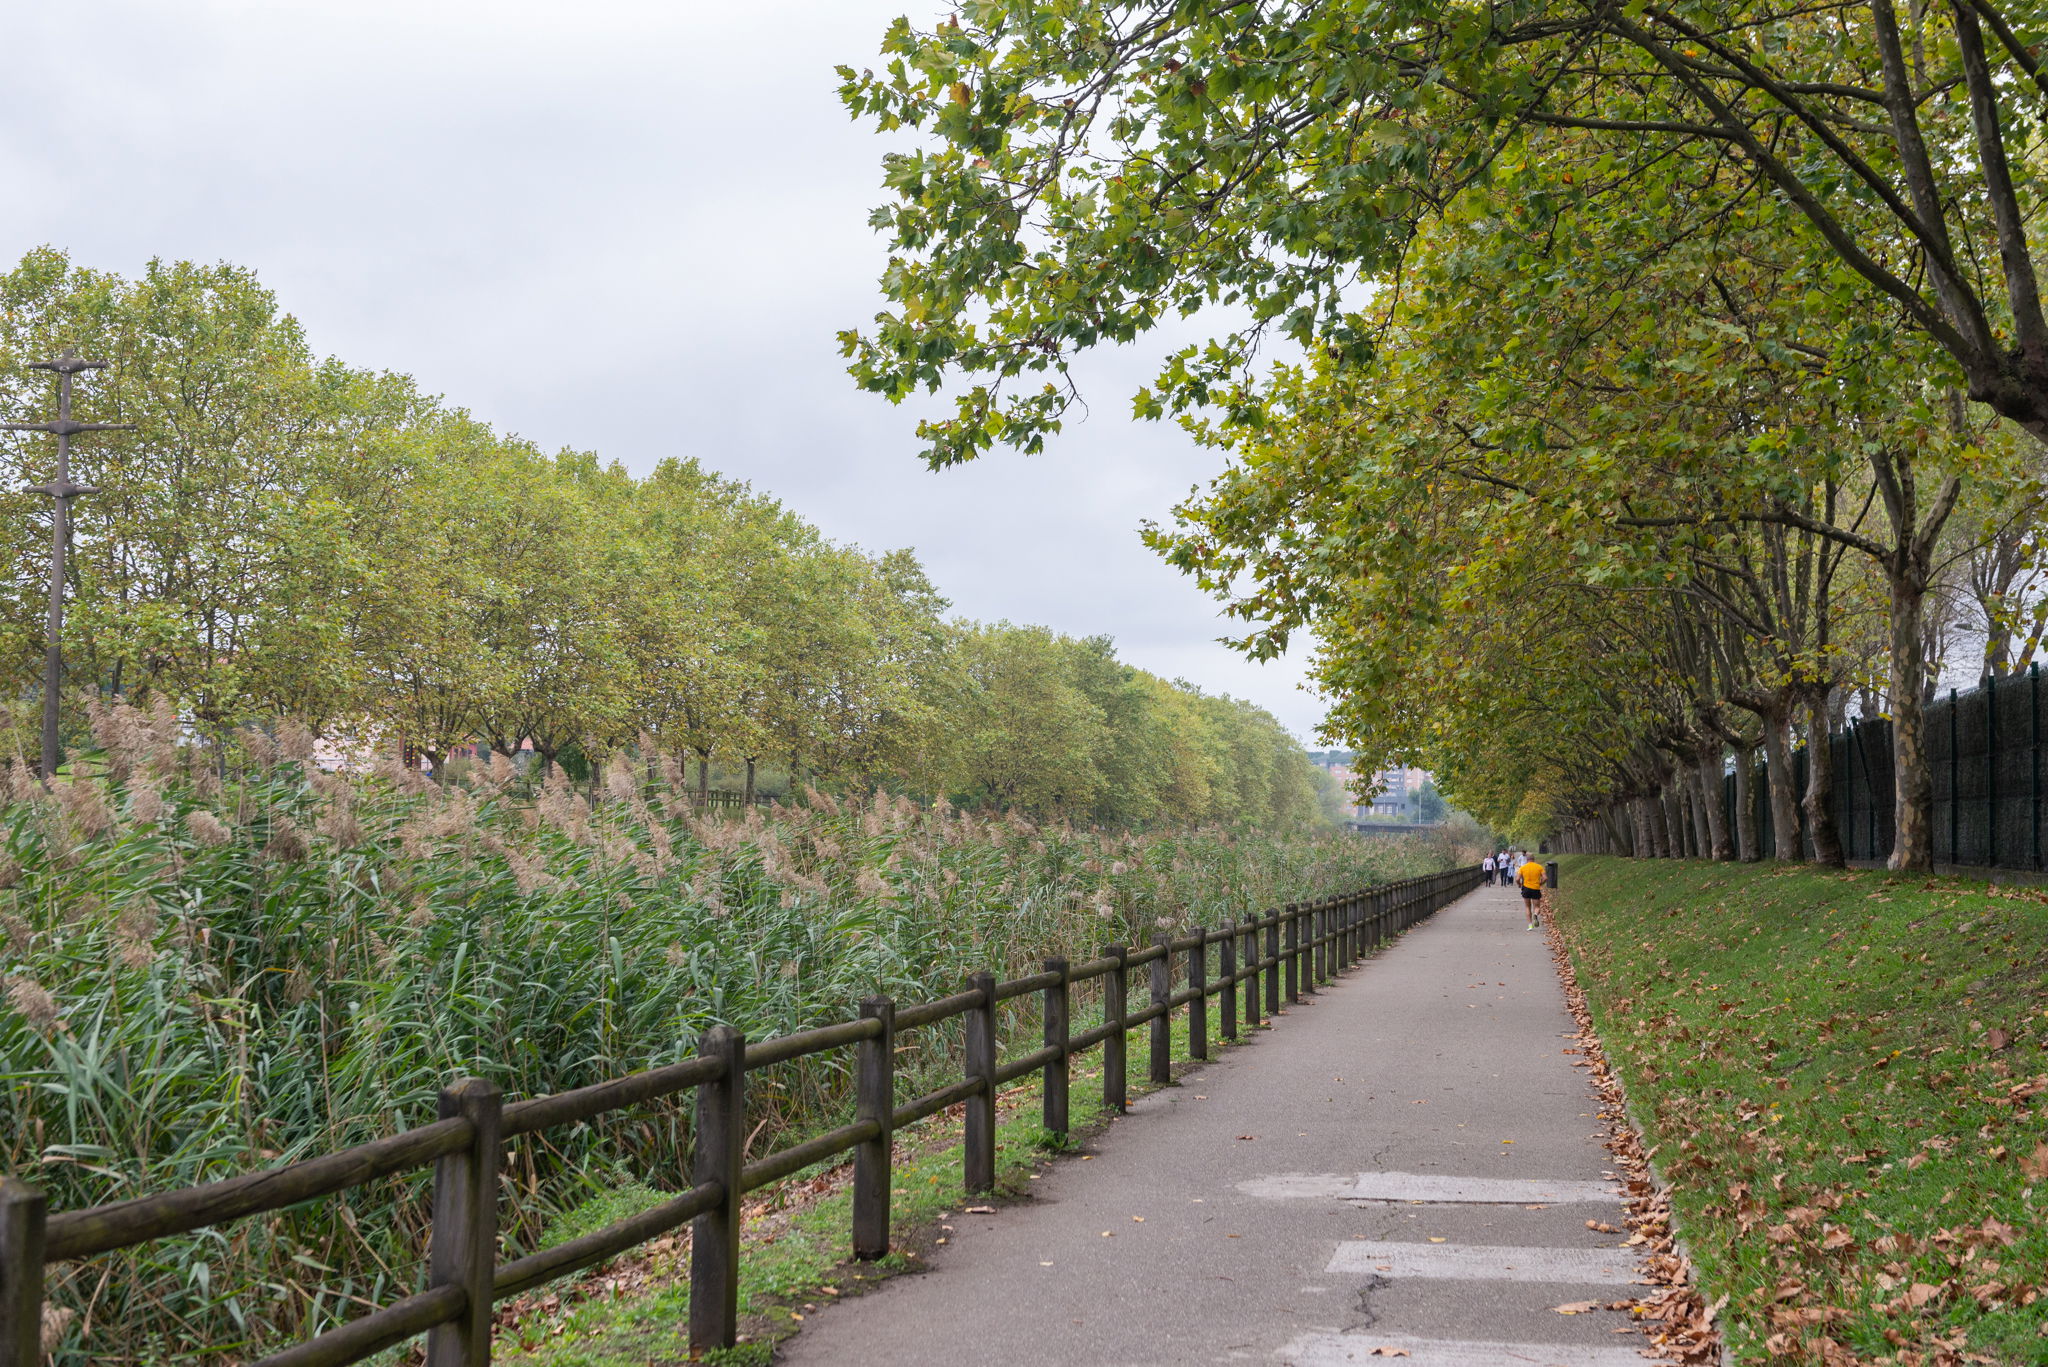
(204,978)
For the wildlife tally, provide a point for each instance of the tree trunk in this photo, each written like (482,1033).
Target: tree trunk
(1785,834)
(1913,783)
(1745,805)
(1695,813)
(1712,801)
(750,783)
(703,780)
(1639,816)
(1820,783)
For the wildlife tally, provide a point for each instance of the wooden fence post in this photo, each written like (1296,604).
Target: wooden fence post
(1309,920)
(1273,964)
(721,1142)
(23,1213)
(1326,949)
(1161,1033)
(1292,968)
(874,1099)
(1250,968)
(1115,1096)
(1057,1012)
(1198,1005)
(980,1158)
(464,1247)
(1226,973)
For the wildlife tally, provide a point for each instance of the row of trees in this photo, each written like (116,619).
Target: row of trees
(1665,381)
(285,536)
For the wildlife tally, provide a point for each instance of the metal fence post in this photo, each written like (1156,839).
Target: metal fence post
(1057,1012)
(979,1161)
(1198,1005)
(1954,804)
(1226,972)
(464,1249)
(1160,1035)
(721,1141)
(1849,788)
(1115,1095)
(23,1213)
(1991,770)
(874,1099)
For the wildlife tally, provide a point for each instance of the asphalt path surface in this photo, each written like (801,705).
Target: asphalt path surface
(1404,1166)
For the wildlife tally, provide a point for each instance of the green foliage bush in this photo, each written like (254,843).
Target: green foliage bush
(205,977)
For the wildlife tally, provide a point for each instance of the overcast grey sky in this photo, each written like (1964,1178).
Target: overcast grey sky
(632,227)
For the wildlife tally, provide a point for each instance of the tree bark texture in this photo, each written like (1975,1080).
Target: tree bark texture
(1913,781)
(1785,836)
(1820,783)
(1712,803)
(1746,845)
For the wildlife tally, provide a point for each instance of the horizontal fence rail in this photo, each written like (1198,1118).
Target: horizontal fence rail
(1256,963)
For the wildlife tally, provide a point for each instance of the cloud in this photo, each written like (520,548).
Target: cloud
(633,228)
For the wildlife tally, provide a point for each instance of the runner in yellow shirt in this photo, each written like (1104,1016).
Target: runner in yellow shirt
(1529,878)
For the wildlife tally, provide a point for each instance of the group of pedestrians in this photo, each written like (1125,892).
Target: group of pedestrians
(1519,869)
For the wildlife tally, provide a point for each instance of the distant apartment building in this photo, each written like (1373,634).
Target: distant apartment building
(1394,790)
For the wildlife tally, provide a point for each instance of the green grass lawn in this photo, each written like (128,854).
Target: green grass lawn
(1844,1076)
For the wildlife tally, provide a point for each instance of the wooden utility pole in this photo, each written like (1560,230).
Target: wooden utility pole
(61,491)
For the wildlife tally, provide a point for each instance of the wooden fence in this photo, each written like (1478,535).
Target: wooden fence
(1272,958)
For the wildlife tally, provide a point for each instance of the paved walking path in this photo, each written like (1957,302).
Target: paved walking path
(1337,1185)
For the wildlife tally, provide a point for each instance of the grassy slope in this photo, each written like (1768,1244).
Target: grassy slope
(1844,1077)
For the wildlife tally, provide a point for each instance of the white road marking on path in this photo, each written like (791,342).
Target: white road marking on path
(1424,1186)
(1480,1262)
(1326,1350)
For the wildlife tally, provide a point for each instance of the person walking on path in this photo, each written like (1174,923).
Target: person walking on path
(1486,867)
(1530,877)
